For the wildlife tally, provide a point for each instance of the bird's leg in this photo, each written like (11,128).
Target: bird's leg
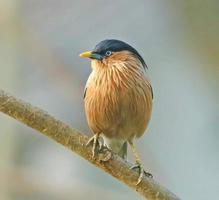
(95,142)
(138,164)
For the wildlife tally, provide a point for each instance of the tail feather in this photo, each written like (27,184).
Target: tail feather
(123,151)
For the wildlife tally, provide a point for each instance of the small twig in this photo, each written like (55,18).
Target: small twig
(75,141)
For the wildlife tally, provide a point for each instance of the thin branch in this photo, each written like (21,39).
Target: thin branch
(75,141)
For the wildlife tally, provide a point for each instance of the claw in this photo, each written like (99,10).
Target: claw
(105,157)
(142,172)
(95,142)
(138,164)
(100,145)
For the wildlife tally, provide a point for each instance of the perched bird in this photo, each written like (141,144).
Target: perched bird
(118,98)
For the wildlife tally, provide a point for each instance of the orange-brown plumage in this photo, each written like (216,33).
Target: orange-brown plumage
(118,96)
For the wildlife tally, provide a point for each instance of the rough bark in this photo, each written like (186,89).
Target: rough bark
(75,141)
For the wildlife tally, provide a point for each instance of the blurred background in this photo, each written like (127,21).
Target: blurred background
(40,43)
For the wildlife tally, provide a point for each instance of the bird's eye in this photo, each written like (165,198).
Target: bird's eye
(108,53)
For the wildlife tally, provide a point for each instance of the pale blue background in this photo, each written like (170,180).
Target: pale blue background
(40,43)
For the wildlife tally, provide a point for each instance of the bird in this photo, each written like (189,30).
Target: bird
(118,99)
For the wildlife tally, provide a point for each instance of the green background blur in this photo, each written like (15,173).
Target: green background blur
(40,41)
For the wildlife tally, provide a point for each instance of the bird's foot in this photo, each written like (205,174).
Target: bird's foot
(142,172)
(95,141)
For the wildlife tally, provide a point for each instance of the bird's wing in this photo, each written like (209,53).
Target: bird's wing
(85,91)
(150,87)
(152,93)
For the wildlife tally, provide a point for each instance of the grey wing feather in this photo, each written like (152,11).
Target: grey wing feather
(152,93)
(85,91)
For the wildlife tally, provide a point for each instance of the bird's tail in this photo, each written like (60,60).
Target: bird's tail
(123,151)
(117,146)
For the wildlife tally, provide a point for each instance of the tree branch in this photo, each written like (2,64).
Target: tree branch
(75,141)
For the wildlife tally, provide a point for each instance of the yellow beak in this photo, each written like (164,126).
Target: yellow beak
(86,54)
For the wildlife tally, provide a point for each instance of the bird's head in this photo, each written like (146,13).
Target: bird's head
(113,52)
